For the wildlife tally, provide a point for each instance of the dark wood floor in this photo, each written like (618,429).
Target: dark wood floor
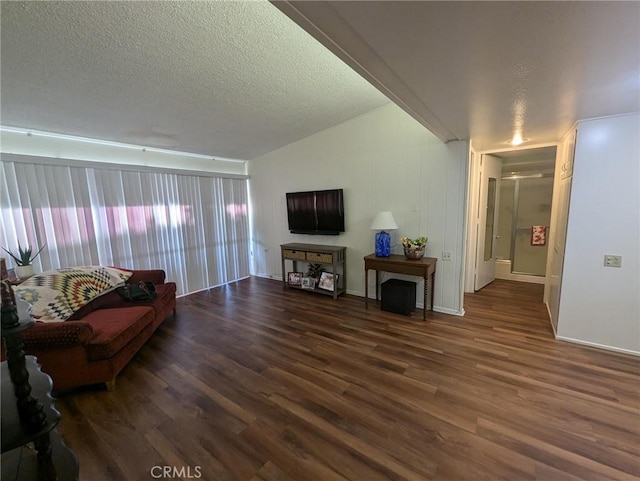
(250,382)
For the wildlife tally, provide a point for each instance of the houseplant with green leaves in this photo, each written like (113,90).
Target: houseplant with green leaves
(24,260)
(414,248)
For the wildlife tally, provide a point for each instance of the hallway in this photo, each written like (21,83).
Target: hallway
(511,306)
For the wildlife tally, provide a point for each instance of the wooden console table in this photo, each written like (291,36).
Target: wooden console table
(335,256)
(399,264)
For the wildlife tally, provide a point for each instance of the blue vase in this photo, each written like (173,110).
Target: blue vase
(383,244)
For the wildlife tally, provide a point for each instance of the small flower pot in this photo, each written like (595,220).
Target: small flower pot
(24,272)
(414,252)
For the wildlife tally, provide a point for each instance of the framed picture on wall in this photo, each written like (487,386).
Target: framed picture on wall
(294,279)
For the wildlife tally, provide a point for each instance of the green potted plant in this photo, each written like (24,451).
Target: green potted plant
(414,248)
(314,271)
(24,260)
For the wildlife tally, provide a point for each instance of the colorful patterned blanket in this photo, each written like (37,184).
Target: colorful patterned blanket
(55,295)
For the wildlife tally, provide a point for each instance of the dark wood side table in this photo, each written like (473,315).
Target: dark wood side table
(399,264)
(31,447)
(13,282)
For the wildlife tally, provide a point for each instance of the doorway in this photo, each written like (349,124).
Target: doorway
(522,217)
(525,215)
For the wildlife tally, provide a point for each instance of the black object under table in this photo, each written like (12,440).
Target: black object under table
(398,296)
(399,264)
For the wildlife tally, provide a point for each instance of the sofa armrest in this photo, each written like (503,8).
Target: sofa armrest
(58,334)
(157,276)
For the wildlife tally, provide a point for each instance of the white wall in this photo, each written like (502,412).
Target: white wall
(601,305)
(384,160)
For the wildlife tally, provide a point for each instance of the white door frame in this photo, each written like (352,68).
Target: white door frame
(486,269)
(473,195)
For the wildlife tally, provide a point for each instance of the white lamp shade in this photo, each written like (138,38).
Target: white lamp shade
(384,221)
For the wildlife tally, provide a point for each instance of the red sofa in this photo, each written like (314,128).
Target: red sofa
(99,339)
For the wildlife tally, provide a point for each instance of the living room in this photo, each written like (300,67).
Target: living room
(384,160)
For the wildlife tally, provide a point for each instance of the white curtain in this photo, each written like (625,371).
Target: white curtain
(195,227)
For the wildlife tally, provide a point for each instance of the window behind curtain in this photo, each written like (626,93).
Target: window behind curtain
(194,227)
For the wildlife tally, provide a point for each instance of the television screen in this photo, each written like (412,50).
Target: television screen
(318,212)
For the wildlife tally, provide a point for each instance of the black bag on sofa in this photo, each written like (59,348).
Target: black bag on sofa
(142,291)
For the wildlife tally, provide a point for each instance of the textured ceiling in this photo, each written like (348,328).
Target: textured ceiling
(239,79)
(229,79)
(484,70)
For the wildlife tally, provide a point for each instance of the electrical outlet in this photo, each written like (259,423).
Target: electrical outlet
(612,261)
(446,255)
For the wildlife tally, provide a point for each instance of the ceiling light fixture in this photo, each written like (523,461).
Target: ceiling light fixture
(517,139)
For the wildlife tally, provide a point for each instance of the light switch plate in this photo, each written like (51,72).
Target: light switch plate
(612,261)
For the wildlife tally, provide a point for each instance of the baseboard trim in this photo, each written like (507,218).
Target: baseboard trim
(521,278)
(211,287)
(598,346)
(269,276)
(419,305)
(446,310)
(503,271)
(553,328)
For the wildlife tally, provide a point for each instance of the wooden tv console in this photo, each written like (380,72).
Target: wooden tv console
(335,256)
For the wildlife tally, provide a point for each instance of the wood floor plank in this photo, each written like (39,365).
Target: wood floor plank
(270,472)
(274,444)
(252,382)
(554,456)
(350,442)
(521,380)
(230,406)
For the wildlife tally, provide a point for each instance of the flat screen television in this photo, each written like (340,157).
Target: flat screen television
(319,212)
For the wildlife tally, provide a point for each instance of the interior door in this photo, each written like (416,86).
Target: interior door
(487,220)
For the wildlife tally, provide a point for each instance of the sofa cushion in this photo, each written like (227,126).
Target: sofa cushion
(166,294)
(58,335)
(165,301)
(53,296)
(114,328)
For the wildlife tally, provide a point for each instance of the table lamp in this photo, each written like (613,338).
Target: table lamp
(383,221)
